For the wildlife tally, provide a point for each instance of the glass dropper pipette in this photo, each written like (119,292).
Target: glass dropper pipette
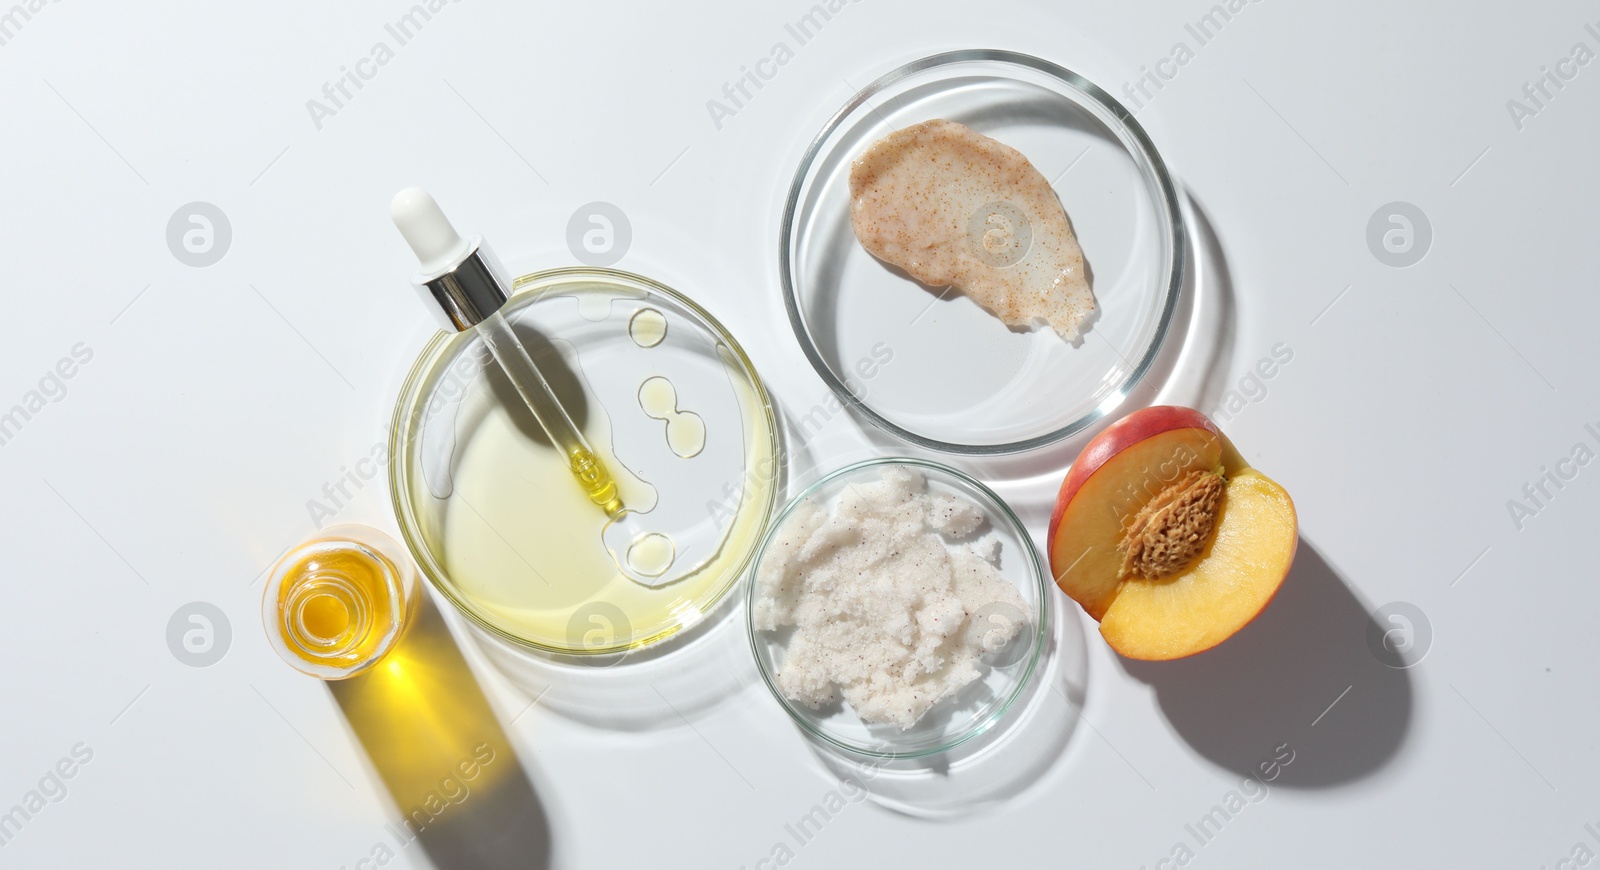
(463,281)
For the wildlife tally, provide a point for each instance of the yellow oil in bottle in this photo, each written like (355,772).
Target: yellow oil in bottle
(335,604)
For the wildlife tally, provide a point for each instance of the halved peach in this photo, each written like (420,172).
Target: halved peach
(1164,535)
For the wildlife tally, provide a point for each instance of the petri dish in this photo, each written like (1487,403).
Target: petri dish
(961,381)
(1005,670)
(489,509)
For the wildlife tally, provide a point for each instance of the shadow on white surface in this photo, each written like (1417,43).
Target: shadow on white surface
(443,756)
(996,767)
(1301,674)
(566,383)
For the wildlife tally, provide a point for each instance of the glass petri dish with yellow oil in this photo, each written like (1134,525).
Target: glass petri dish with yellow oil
(673,409)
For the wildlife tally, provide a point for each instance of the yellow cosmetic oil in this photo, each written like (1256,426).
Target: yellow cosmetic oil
(670,406)
(686,432)
(594,479)
(647,327)
(337,603)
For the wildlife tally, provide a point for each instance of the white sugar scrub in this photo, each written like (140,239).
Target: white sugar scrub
(881,591)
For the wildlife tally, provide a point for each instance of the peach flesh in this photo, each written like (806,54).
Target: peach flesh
(1225,586)
(1086,562)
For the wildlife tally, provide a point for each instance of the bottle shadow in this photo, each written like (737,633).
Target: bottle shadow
(443,756)
(1301,674)
(557,371)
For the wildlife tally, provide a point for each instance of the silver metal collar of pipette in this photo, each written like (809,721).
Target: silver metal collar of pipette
(472,290)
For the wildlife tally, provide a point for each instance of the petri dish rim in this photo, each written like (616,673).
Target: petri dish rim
(412,393)
(1118,120)
(1039,636)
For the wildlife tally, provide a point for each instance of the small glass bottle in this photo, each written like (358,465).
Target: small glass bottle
(336,604)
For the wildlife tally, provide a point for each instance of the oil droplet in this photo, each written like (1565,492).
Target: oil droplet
(657,397)
(648,327)
(686,432)
(651,554)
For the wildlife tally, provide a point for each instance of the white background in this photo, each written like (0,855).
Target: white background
(220,399)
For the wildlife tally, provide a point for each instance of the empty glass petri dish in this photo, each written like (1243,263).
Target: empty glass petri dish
(671,405)
(961,381)
(1004,669)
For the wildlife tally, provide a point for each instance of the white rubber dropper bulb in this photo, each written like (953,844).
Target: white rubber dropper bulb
(425,228)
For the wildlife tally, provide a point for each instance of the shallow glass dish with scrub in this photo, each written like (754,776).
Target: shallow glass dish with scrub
(963,381)
(997,628)
(670,405)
